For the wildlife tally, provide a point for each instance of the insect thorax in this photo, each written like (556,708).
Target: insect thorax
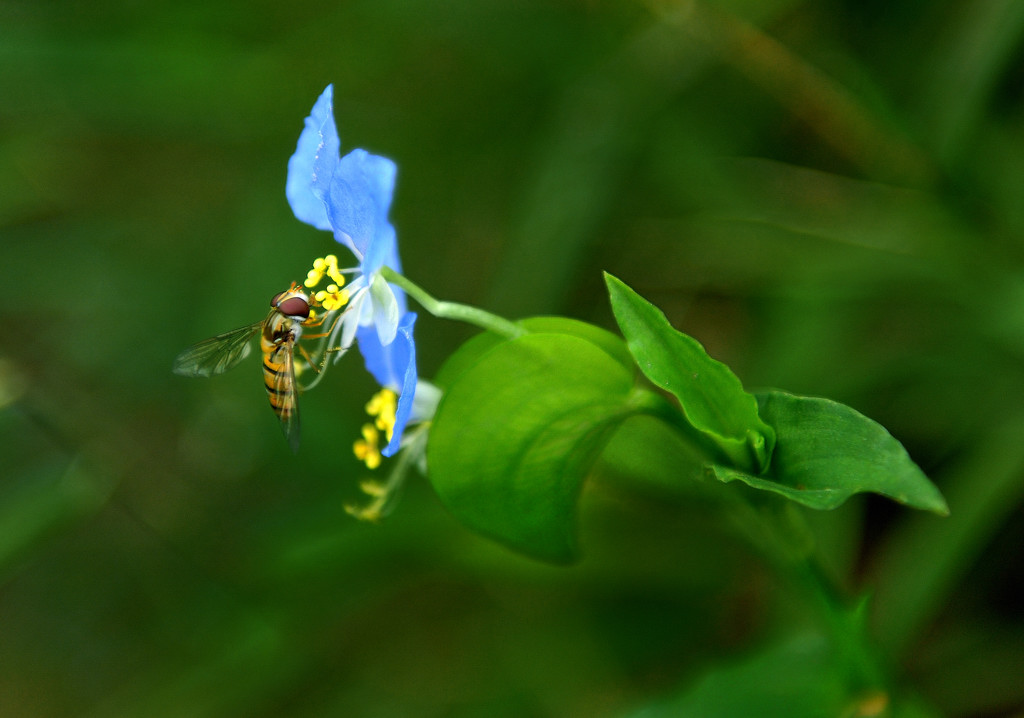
(280,328)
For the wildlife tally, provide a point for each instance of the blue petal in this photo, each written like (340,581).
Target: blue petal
(311,167)
(357,205)
(394,367)
(383,246)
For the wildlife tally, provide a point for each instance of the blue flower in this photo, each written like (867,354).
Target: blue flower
(350,196)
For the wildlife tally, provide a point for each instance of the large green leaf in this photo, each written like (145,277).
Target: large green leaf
(471,351)
(710,395)
(516,432)
(825,452)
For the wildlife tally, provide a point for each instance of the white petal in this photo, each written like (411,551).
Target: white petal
(350,321)
(385,310)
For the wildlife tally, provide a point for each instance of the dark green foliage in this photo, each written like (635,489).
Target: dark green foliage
(825,195)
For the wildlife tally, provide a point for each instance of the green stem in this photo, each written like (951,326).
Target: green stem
(788,543)
(845,621)
(778,531)
(453,310)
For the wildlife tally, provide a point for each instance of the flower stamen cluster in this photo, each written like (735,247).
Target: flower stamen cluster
(332,298)
(381,408)
(367,449)
(324,266)
(381,495)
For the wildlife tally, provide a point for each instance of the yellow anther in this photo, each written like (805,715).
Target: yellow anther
(367,449)
(333,272)
(369,513)
(325,266)
(373,511)
(373,488)
(332,298)
(386,424)
(382,407)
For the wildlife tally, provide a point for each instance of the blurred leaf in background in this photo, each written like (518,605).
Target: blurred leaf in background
(825,194)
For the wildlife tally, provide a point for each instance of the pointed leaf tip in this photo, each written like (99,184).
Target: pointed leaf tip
(826,452)
(711,397)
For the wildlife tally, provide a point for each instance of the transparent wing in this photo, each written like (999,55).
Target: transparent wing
(284,397)
(217,354)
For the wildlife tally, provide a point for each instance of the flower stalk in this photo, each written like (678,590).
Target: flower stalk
(454,310)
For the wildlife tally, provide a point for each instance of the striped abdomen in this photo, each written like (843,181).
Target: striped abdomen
(277,341)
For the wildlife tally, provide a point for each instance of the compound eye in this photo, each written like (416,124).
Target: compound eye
(275,299)
(294,307)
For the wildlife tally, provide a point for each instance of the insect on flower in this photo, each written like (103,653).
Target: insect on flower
(351,196)
(279,335)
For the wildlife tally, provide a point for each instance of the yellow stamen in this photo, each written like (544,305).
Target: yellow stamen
(381,498)
(332,298)
(370,513)
(367,449)
(382,407)
(325,266)
(373,488)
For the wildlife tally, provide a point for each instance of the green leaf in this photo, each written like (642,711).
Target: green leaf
(801,678)
(710,395)
(516,433)
(471,351)
(825,452)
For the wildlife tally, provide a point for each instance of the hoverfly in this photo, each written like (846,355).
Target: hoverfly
(279,335)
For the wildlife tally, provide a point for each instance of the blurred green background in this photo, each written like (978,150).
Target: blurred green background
(829,195)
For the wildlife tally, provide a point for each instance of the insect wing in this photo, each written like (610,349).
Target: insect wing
(217,354)
(279,379)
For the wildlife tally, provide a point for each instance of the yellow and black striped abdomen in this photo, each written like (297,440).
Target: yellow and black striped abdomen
(278,378)
(277,342)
